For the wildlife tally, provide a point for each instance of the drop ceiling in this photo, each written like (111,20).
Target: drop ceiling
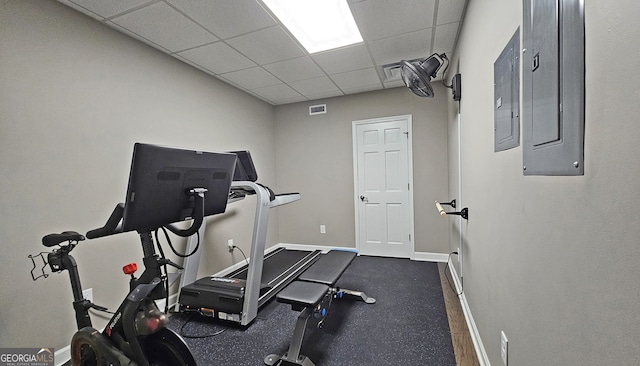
(243,44)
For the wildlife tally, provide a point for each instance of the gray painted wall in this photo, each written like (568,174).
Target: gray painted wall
(553,261)
(315,158)
(74,97)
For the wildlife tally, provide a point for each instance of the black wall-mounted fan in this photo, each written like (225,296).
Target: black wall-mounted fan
(417,75)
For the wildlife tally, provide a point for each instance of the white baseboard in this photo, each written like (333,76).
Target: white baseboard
(62,355)
(483,359)
(430,257)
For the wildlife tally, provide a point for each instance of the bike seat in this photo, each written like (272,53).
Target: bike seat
(55,239)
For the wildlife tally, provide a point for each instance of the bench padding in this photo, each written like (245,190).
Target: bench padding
(328,268)
(302,294)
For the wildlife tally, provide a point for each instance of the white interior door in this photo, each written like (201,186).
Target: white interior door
(383,174)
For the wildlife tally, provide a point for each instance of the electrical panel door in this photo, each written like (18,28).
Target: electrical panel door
(553,87)
(506,109)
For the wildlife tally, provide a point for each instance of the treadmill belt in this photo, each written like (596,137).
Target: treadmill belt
(274,265)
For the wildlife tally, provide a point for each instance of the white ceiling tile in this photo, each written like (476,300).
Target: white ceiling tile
(295,69)
(258,52)
(81,9)
(445,37)
(393,84)
(450,11)
(267,46)
(387,18)
(163,25)
(358,78)
(405,47)
(107,9)
(344,59)
(289,100)
(329,94)
(218,58)
(193,64)
(362,89)
(277,92)
(252,78)
(136,36)
(226,18)
(313,86)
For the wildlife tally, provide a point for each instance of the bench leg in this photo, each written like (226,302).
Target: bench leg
(293,357)
(360,294)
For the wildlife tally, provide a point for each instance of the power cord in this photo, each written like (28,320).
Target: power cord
(183,334)
(166,235)
(447,276)
(163,257)
(245,257)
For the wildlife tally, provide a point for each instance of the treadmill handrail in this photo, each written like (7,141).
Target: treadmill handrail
(265,200)
(283,199)
(254,272)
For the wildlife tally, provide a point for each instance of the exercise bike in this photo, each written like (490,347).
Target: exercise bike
(166,185)
(137,332)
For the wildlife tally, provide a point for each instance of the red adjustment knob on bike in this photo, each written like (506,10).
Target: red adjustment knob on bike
(130,268)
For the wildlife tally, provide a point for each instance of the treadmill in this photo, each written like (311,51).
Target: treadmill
(238,295)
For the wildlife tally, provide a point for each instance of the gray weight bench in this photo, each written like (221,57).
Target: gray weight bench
(306,295)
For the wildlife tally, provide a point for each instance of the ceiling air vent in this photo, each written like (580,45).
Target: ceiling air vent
(317,109)
(391,72)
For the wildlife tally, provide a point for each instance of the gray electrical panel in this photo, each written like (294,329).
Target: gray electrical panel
(553,87)
(506,96)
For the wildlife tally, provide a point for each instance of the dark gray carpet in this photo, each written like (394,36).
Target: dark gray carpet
(406,326)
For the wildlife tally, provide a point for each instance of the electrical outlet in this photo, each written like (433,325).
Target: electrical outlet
(323,229)
(230,245)
(504,348)
(88,294)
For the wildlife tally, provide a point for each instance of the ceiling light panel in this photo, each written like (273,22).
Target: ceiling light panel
(318,25)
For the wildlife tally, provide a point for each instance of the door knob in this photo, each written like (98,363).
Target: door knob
(364,199)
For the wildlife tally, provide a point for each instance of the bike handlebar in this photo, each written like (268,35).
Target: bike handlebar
(113,225)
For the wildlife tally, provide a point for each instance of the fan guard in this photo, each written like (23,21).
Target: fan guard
(417,75)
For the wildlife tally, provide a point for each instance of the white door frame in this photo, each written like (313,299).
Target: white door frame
(356,199)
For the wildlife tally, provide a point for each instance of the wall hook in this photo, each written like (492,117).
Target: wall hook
(452,203)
